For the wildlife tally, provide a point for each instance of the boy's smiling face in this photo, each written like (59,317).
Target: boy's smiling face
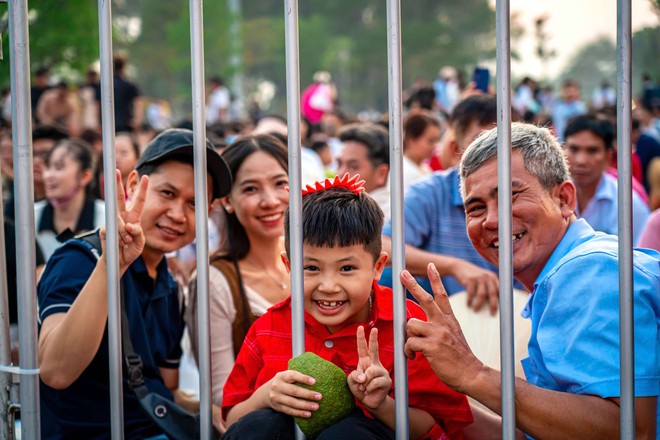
(338,283)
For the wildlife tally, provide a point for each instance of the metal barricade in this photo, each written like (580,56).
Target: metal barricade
(112,240)
(25,236)
(396,185)
(201,212)
(23,180)
(504,215)
(624,125)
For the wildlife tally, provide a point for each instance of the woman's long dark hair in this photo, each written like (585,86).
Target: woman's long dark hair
(235,155)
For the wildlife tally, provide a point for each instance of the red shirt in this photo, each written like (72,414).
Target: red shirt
(267,350)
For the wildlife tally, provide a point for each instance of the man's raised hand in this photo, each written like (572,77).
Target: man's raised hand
(440,339)
(130,235)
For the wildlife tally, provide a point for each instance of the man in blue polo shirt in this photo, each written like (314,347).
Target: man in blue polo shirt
(434,217)
(589,145)
(72,294)
(573,378)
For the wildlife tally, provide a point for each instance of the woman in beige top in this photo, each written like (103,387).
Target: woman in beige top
(253,237)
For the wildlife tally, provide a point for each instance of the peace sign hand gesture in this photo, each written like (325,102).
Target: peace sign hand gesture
(131,236)
(440,339)
(370,382)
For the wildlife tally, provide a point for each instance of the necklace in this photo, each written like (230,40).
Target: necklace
(279,282)
(282,284)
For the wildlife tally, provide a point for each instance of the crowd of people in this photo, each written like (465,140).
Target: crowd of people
(564,202)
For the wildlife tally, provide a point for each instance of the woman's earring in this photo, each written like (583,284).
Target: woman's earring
(229,209)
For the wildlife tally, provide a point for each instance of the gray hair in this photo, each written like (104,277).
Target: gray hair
(542,154)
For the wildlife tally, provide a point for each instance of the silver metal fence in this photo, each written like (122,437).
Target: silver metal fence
(112,240)
(22,145)
(24,203)
(507,362)
(292,53)
(626,320)
(396,187)
(201,212)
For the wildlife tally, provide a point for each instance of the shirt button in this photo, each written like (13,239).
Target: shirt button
(329,344)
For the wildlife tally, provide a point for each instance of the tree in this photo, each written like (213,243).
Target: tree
(63,36)
(645,44)
(597,60)
(593,63)
(345,37)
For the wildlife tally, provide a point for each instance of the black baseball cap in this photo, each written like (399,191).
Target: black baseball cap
(178,143)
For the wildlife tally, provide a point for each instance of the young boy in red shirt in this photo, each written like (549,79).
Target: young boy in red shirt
(342,261)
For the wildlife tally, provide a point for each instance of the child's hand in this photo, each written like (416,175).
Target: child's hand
(286,397)
(371,382)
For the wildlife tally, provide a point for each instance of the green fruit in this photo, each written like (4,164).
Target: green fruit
(337,401)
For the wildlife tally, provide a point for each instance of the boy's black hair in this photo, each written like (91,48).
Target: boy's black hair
(337,217)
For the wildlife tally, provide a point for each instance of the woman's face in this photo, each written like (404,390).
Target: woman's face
(63,175)
(428,141)
(125,156)
(259,197)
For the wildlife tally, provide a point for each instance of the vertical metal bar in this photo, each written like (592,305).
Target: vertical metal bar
(626,319)
(5,340)
(19,48)
(505,219)
(295,175)
(201,204)
(292,55)
(396,185)
(110,185)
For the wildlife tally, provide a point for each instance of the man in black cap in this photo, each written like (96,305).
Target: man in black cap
(159,217)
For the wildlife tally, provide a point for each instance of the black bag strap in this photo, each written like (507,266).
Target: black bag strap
(174,421)
(132,360)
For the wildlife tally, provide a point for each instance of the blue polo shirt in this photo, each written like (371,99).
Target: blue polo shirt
(574,309)
(434,221)
(602,213)
(83,409)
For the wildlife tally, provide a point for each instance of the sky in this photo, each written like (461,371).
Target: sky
(571,25)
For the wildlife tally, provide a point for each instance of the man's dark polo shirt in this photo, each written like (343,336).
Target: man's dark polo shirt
(83,409)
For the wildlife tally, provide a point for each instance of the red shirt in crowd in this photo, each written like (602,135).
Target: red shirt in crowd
(267,350)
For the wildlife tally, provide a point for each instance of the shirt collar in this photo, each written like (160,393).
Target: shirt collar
(575,234)
(606,190)
(46,220)
(85,220)
(456,197)
(161,285)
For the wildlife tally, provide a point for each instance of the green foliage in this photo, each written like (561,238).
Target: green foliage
(63,36)
(344,37)
(347,38)
(592,64)
(645,46)
(597,60)
(337,401)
